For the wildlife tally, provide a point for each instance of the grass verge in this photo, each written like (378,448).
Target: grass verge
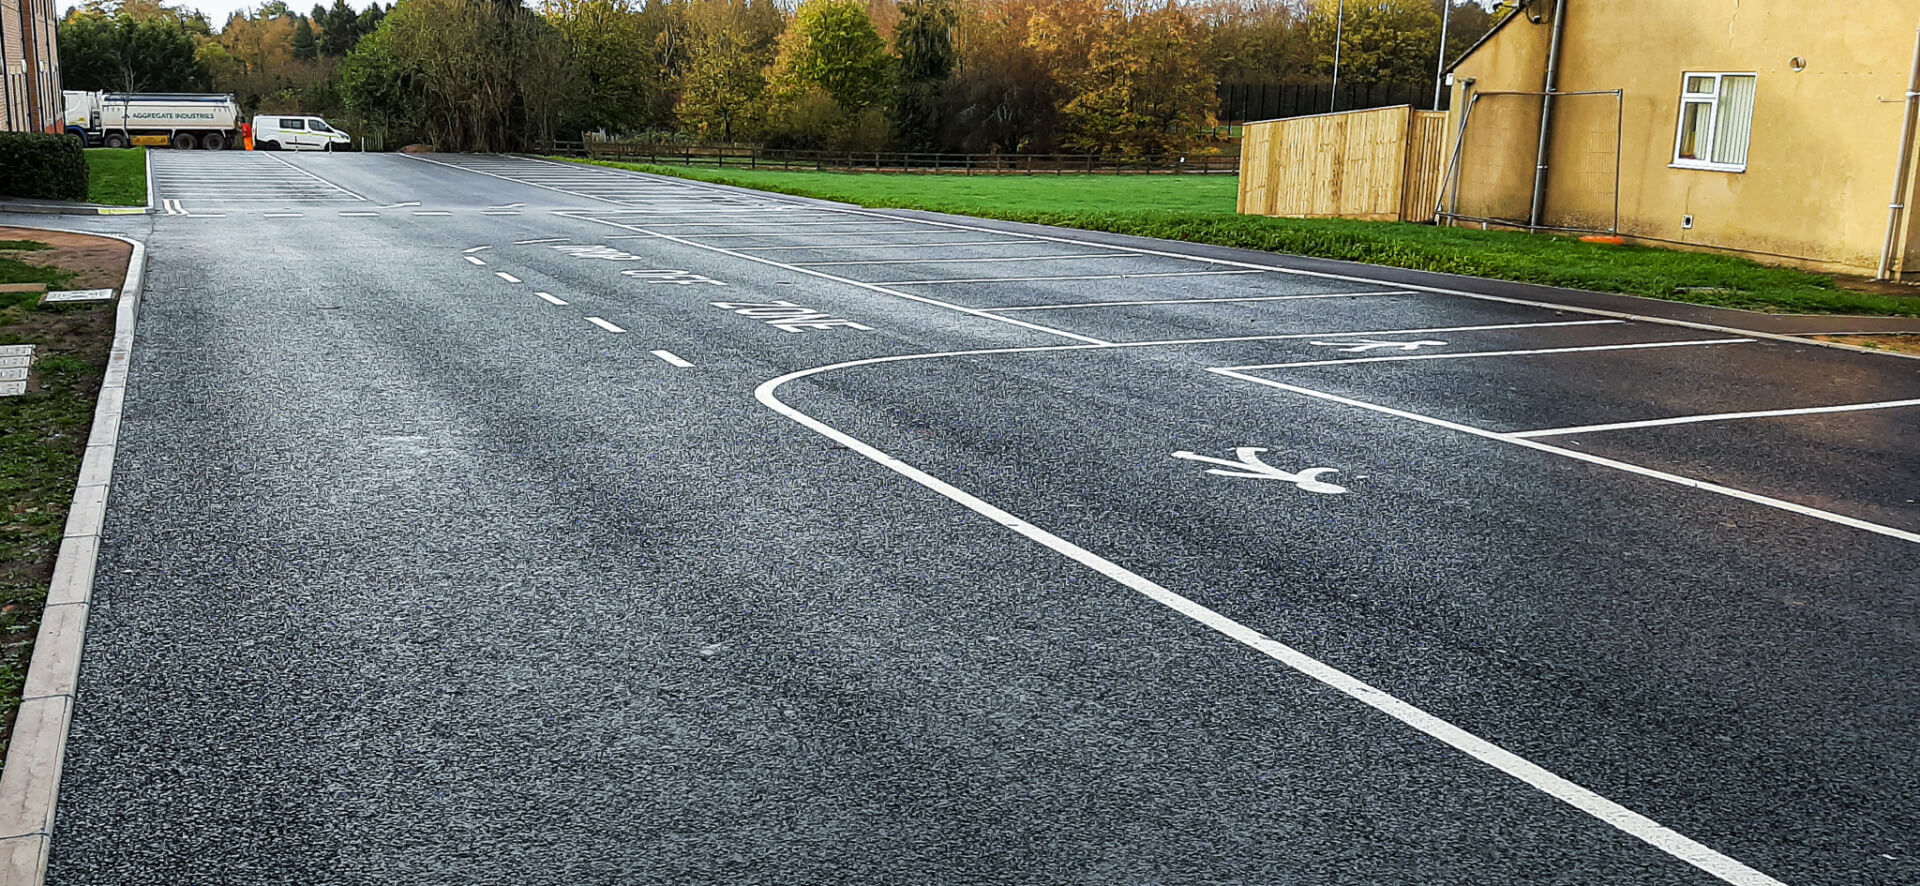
(1200,209)
(117,176)
(43,435)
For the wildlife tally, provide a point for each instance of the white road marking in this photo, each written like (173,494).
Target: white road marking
(282,215)
(892,245)
(1250,467)
(359,215)
(732,224)
(499,212)
(418,212)
(506,276)
(1364,345)
(1721,416)
(671,358)
(545,240)
(550,299)
(290,165)
(952,261)
(1688,482)
(818,233)
(476,249)
(475,260)
(1607,811)
(871,287)
(1195,301)
(1044,279)
(604,324)
(1643,345)
(508,206)
(401,205)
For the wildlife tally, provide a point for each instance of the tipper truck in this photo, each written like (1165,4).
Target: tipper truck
(184,119)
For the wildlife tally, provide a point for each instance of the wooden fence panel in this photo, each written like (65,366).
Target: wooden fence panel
(1381,165)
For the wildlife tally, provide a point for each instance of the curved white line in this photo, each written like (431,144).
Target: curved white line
(1626,820)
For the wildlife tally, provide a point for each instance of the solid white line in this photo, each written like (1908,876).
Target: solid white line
(506,276)
(671,358)
(282,215)
(1581,798)
(476,249)
(345,214)
(417,212)
(892,245)
(604,324)
(475,260)
(872,287)
(546,240)
(1688,482)
(949,261)
(549,297)
(1627,347)
(1721,416)
(1043,279)
(290,165)
(818,233)
(726,224)
(1195,301)
(499,212)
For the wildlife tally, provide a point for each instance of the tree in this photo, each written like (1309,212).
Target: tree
(121,53)
(1147,89)
(618,67)
(829,77)
(1382,41)
(479,76)
(305,46)
(924,42)
(729,45)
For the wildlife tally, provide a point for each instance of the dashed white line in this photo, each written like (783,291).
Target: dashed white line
(550,299)
(431,212)
(1721,416)
(282,215)
(671,358)
(474,259)
(401,205)
(604,324)
(506,276)
(359,215)
(476,249)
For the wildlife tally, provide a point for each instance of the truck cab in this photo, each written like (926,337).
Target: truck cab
(297,132)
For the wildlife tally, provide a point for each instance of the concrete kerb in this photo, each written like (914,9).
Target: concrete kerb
(30,785)
(32,208)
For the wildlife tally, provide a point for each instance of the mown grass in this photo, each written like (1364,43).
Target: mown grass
(1200,209)
(117,176)
(13,270)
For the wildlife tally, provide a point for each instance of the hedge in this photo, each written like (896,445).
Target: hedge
(44,166)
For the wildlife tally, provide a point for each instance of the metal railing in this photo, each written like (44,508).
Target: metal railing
(721,157)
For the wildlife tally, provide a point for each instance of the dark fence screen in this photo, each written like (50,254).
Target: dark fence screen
(1241,102)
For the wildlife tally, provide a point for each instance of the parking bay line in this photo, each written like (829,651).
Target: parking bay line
(1639,826)
(1524,353)
(604,324)
(672,359)
(1200,301)
(1720,416)
(296,168)
(550,298)
(506,276)
(1085,277)
(1577,455)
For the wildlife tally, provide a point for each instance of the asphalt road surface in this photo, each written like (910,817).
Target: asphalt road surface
(484,520)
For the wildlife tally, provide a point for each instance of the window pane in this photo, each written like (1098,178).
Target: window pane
(1693,129)
(1733,125)
(320,126)
(1700,85)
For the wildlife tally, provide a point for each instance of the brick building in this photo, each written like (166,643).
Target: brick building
(29,67)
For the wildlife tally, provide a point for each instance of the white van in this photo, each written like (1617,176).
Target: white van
(285,132)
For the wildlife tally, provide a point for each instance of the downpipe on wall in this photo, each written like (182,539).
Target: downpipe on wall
(1898,207)
(1546,115)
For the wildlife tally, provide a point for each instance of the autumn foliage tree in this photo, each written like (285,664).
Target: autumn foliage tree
(829,78)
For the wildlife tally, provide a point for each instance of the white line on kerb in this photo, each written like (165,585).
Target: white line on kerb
(474,259)
(604,324)
(1607,811)
(506,276)
(1526,353)
(550,299)
(1719,416)
(1196,301)
(672,359)
(1688,482)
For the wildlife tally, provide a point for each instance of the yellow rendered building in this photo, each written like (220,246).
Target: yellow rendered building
(1778,129)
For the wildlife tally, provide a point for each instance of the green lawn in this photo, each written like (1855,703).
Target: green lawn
(1200,209)
(117,176)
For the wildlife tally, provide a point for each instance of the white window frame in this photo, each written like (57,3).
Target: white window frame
(1712,101)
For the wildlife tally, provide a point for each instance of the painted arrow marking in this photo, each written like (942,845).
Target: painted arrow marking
(1369,344)
(1250,467)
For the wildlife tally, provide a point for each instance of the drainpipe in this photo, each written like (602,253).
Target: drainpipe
(1546,114)
(1898,207)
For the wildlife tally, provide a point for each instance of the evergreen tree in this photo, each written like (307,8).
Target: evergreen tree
(305,47)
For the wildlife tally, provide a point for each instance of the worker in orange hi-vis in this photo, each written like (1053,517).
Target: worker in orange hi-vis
(246,135)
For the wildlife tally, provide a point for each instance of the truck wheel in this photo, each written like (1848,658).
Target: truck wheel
(116,140)
(183,141)
(214,141)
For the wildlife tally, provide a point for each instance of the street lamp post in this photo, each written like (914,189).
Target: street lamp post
(1440,68)
(1339,33)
